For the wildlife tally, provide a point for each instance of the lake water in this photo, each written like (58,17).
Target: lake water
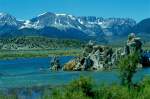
(35,72)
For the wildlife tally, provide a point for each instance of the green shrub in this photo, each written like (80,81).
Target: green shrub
(83,84)
(85,88)
(81,88)
(127,67)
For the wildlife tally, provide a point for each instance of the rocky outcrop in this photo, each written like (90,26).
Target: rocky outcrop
(94,57)
(99,57)
(70,65)
(55,64)
(133,44)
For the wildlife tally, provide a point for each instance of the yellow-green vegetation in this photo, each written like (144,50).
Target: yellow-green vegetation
(8,97)
(37,42)
(127,66)
(10,54)
(2,96)
(146,47)
(86,88)
(37,46)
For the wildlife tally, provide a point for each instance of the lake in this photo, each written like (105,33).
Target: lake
(30,72)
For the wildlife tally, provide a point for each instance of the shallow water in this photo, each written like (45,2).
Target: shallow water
(34,72)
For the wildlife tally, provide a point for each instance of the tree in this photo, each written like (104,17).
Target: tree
(127,67)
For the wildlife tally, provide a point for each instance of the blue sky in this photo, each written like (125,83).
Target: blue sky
(26,9)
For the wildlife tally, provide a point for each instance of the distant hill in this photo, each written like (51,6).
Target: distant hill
(142,29)
(37,42)
(143,26)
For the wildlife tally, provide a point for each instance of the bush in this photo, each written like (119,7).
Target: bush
(85,88)
(83,84)
(144,92)
(113,92)
(127,67)
(77,89)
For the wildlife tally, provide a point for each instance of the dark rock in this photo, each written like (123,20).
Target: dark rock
(55,64)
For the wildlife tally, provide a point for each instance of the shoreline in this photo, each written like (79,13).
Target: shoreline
(15,54)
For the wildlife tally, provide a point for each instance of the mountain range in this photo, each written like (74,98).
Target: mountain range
(67,26)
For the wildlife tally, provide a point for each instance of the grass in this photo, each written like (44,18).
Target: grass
(11,54)
(8,97)
(86,88)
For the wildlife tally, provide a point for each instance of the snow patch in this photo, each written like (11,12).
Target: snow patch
(42,14)
(81,22)
(1,14)
(100,23)
(92,22)
(26,24)
(62,14)
(21,20)
(55,21)
(72,17)
(79,28)
(36,25)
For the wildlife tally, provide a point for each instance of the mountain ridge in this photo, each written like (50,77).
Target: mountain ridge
(67,26)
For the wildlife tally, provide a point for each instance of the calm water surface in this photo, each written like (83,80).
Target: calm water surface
(34,72)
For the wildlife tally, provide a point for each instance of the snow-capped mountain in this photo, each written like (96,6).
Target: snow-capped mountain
(90,26)
(6,19)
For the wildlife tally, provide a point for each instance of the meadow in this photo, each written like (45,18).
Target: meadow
(12,54)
